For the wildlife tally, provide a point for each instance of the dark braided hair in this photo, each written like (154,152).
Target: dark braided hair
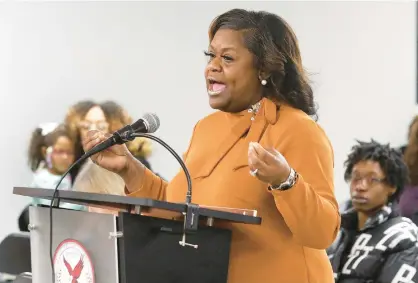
(389,159)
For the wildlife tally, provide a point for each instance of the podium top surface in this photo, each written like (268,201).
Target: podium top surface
(118,202)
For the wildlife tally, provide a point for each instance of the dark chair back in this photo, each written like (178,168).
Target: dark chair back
(15,257)
(23,220)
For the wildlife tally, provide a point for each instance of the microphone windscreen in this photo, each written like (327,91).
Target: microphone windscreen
(152,121)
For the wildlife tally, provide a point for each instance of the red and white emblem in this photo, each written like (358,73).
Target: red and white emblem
(72,263)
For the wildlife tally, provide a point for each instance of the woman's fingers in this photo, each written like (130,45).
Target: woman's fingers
(265,155)
(92,139)
(254,160)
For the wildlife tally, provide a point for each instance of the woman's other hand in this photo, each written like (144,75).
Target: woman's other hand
(269,165)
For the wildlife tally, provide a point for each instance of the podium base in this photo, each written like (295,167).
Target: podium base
(149,252)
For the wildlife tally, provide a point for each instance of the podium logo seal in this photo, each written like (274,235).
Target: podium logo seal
(72,263)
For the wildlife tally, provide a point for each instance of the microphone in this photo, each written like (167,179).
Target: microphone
(149,123)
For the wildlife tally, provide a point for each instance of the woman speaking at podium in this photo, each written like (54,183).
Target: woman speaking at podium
(268,154)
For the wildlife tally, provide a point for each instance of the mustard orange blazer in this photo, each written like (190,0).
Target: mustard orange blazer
(297,224)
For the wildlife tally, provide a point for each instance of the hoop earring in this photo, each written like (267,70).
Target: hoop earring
(263,82)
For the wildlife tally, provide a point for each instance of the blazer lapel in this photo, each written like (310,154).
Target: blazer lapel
(243,125)
(267,115)
(238,130)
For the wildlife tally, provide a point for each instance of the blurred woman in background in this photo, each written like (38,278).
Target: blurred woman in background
(108,117)
(408,203)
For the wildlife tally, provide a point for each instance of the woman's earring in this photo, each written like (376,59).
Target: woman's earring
(48,157)
(263,82)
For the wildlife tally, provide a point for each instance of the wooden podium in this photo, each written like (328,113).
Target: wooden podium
(145,241)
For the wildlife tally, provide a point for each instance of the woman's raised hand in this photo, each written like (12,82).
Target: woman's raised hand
(114,159)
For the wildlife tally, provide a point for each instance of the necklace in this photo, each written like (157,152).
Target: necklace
(254,109)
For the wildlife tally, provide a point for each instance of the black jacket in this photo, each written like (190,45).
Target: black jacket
(384,251)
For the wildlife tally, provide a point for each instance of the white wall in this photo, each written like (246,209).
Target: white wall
(148,56)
